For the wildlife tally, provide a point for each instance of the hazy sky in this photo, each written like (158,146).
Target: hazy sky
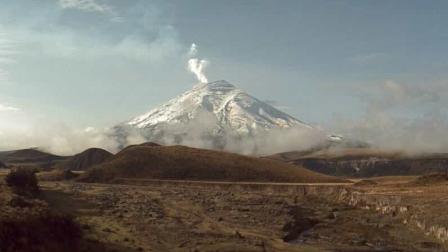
(80,63)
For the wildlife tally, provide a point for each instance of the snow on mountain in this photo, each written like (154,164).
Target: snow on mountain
(232,108)
(214,111)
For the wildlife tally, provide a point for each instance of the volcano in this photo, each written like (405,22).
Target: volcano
(210,115)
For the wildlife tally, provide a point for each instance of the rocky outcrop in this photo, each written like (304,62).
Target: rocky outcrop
(397,207)
(392,205)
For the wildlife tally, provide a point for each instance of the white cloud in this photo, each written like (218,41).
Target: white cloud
(85,5)
(21,130)
(143,41)
(400,116)
(4,108)
(391,94)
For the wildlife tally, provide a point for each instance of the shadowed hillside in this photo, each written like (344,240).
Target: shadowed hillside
(147,144)
(180,162)
(30,158)
(86,159)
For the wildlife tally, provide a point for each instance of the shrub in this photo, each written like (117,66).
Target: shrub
(56,175)
(23,181)
(47,232)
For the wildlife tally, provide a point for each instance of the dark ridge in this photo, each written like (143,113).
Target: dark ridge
(365,162)
(147,144)
(86,159)
(31,158)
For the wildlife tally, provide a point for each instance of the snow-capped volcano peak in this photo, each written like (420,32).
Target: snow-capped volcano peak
(221,106)
(219,115)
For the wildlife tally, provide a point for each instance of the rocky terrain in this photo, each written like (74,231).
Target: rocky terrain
(416,202)
(380,214)
(174,198)
(192,216)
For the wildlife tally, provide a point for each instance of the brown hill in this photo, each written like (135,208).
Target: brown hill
(430,179)
(2,165)
(31,158)
(147,144)
(86,159)
(185,163)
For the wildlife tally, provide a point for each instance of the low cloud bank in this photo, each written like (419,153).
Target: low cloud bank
(63,140)
(57,139)
(399,116)
(403,117)
(23,132)
(204,132)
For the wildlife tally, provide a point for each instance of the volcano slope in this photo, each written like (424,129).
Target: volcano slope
(185,163)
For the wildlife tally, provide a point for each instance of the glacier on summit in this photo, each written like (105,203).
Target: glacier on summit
(219,115)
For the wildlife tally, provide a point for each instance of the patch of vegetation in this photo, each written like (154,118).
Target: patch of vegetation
(37,233)
(27,224)
(431,179)
(23,181)
(56,175)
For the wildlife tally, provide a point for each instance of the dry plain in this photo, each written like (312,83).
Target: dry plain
(379,214)
(193,216)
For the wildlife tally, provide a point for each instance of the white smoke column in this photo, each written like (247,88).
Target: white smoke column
(193,50)
(196,65)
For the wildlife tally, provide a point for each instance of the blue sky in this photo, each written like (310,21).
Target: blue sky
(93,63)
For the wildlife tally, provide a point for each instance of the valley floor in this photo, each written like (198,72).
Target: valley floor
(190,217)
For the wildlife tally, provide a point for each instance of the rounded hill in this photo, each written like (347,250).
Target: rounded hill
(86,159)
(31,158)
(185,163)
